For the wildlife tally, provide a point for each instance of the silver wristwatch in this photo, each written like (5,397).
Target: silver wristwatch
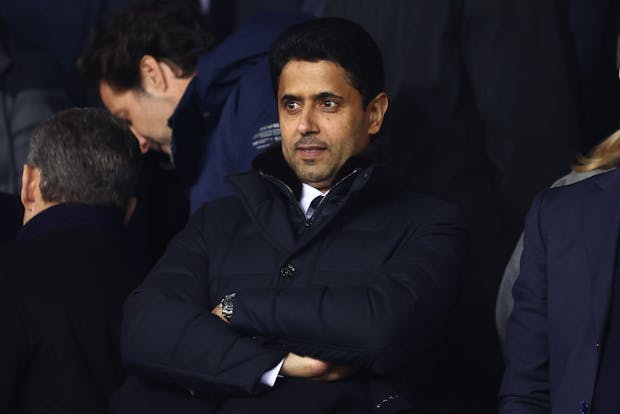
(227,305)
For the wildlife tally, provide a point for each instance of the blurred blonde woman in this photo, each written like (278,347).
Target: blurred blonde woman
(604,157)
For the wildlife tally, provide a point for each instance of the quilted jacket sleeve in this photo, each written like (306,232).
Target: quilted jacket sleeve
(170,335)
(378,326)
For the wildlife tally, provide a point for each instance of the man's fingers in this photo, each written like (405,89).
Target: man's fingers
(217,311)
(303,367)
(337,373)
(316,366)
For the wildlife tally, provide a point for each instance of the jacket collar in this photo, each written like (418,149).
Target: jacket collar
(271,162)
(66,215)
(270,193)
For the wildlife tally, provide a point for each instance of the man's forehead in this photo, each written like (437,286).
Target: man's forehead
(115,101)
(321,77)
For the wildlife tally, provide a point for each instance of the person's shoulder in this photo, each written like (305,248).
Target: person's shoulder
(19,262)
(222,204)
(218,211)
(413,199)
(435,208)
(575,177)
(396,190)
(407,202)
(576,186)
(414,196)
(561,204)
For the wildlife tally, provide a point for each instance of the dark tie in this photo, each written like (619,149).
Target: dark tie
(313,205)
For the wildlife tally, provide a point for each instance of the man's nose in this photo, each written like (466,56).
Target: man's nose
(307,123)
(144,143)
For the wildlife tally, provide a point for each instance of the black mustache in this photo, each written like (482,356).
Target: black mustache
(310,140)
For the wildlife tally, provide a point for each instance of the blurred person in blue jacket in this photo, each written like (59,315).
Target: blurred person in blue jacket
(209,106)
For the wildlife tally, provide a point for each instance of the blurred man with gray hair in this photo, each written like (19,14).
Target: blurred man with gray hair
(64,281)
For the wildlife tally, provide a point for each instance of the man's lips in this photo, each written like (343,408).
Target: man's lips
(310,151)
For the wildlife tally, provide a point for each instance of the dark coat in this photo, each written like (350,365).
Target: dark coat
(366,282)
(61,293)
(562,297)
(11,213)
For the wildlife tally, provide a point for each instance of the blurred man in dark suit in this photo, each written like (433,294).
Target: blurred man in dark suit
(64,281)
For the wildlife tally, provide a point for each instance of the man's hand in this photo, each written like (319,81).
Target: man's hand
(306,367)
(337,373)
(217,311)
(303,367)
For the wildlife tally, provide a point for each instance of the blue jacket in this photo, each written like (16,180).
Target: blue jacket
(228,113)
(562,298)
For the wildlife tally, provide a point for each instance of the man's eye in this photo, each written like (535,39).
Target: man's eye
(291,106)
(329,104)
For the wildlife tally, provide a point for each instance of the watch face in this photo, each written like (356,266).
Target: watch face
(227,305)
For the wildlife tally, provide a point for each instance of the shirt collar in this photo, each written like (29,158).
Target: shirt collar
(309,193)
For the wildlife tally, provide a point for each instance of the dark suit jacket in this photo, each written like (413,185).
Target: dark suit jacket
(61,295)
(562,297)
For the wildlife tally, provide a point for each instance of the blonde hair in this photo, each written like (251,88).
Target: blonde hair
(605,155)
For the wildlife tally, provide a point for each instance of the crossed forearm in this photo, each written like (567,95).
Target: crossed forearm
(303,366)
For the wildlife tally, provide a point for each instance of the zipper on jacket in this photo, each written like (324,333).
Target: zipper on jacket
(308,221)
(281,183)
(318,207)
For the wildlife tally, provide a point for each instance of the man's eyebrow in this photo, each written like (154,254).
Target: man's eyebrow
(327,95)
(318,97)
(288,97)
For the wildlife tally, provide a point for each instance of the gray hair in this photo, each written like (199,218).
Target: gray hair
(85,155)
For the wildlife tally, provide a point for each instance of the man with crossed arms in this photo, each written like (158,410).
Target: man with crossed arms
(268,299)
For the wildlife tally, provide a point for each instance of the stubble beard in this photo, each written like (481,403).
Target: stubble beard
(317,174)
(308,171)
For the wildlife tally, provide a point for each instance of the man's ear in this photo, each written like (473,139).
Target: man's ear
(152,75)
(376,111)
(31,192)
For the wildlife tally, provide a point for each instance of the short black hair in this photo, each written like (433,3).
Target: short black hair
(171,31)
(336,40)
(86,155)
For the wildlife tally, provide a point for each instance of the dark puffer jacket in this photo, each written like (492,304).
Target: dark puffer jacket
(365,282)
